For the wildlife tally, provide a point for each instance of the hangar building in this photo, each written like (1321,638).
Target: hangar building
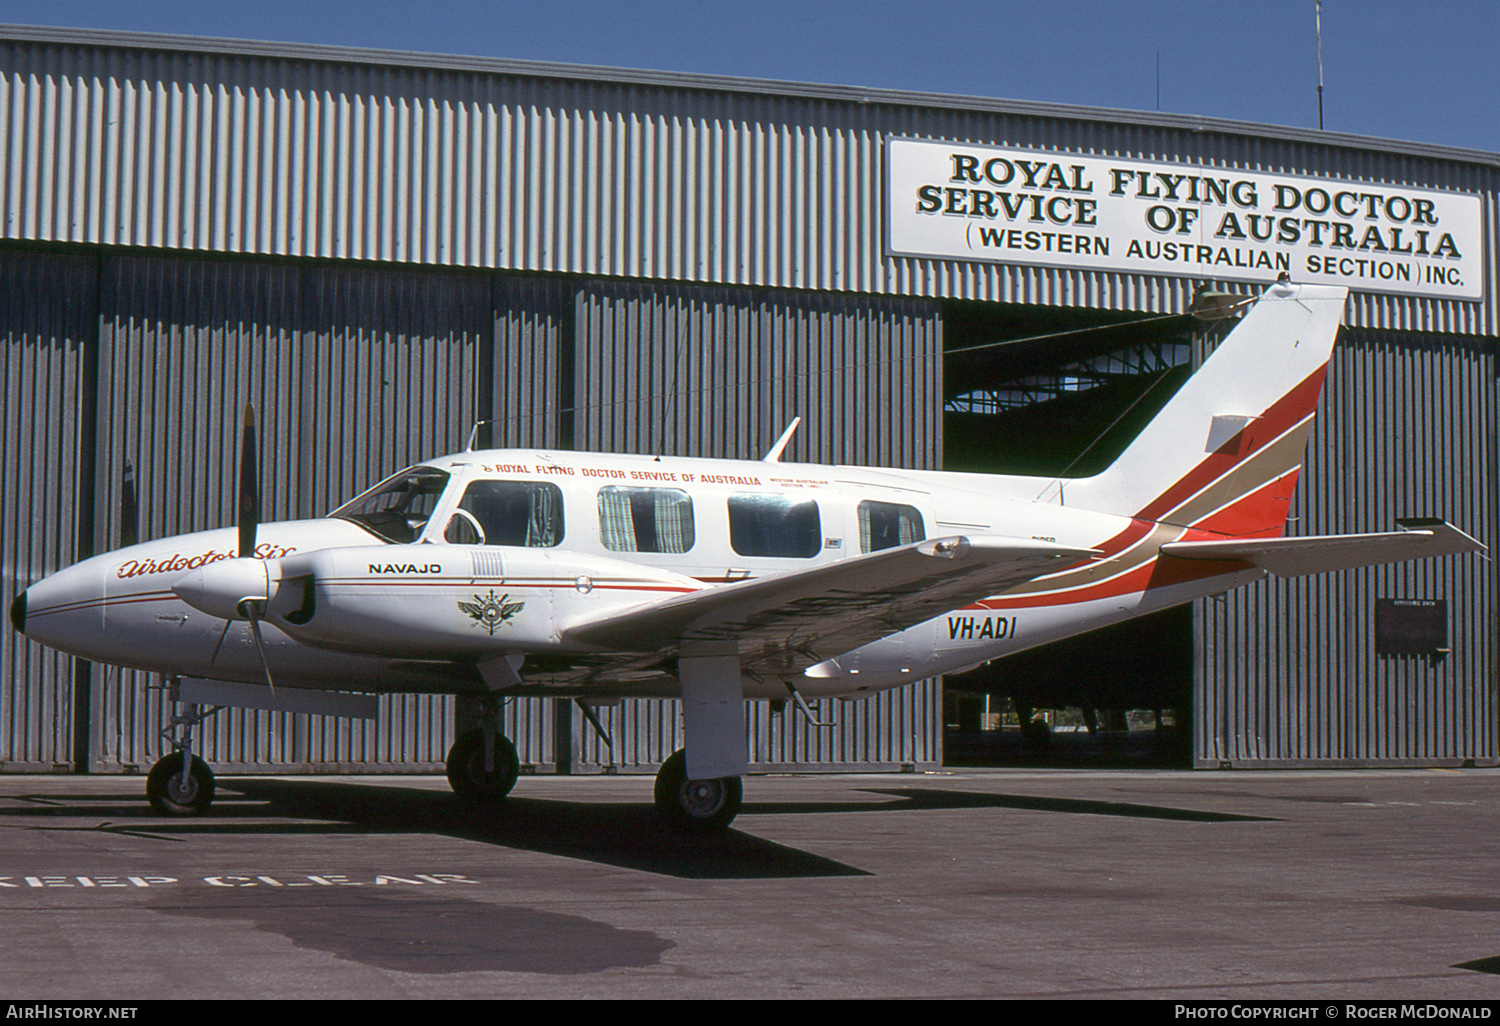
(380,249)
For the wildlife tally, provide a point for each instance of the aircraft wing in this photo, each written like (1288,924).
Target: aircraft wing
(789,621)
(1294,557)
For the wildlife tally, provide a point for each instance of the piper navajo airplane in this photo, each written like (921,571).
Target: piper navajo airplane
(599,577)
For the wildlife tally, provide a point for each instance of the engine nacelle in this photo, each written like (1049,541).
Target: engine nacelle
(442,601)
(221,589)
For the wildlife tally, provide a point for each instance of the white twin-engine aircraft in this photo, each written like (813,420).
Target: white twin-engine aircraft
(600,577)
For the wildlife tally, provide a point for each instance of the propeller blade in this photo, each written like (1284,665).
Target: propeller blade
(249,503)
(250,609)
(129,509)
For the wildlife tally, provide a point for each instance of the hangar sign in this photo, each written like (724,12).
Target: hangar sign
(958,202)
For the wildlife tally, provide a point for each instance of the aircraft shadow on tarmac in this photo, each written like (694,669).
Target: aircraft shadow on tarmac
(625,835)
(932,798)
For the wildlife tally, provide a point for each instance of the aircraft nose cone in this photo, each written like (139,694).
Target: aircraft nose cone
(18,613)
(64,610)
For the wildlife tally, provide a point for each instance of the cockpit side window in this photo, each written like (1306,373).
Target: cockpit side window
(523,513)
(397,509)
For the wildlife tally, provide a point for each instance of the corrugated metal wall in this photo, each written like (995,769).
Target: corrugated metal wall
(48,324)
(353,156)
(1288,668)
(721,372)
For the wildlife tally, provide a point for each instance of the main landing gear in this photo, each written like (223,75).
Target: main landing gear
(482,764)
(697,805)
(700,806)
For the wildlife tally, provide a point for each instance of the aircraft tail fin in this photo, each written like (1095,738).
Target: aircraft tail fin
(1224,453)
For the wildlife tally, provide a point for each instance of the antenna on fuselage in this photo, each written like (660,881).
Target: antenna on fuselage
(474,433)
(774,456)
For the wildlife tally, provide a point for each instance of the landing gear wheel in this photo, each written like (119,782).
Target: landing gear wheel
(698,805)
(1037,737)
(173,795)
(466,773)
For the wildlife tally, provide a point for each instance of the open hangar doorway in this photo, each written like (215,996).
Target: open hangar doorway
(1060,392)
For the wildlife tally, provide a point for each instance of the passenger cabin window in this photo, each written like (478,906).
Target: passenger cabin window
(774,525)
(398,508)
(885,525)
(526,514)
(645,519)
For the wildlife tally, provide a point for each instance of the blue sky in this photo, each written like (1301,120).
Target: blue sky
(1401,69)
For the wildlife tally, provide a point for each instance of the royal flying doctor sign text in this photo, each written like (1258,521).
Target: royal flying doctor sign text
(958,202)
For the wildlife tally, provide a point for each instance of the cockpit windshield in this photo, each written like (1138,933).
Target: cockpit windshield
(397,509)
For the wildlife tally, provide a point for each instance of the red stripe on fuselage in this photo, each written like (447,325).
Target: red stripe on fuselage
(86,604)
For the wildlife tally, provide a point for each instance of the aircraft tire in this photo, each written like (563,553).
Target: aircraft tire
(466,773)
(1037,738)
(701,806)
(172,796)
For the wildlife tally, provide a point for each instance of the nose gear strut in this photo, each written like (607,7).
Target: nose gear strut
(180,783)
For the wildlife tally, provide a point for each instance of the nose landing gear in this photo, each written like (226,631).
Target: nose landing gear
(180,783)
(173,792)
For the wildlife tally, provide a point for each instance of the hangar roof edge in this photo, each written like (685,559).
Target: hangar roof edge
(727,83)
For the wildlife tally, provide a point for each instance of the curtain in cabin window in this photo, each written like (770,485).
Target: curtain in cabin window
(885,525)
(645,519)
(616,527)
(674,520)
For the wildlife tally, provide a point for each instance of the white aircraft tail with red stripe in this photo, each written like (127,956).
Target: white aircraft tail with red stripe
(1224,453)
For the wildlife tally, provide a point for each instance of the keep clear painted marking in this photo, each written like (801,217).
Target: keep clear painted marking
(336,880)
(282,880)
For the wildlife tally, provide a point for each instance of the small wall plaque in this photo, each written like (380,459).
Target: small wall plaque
(1411,626)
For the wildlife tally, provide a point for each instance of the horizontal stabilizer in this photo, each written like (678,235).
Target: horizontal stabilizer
(788,621)
(1294,557)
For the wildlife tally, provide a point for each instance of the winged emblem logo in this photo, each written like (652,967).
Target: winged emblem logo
(489,611)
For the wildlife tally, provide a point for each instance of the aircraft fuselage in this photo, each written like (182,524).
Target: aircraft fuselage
(411,599)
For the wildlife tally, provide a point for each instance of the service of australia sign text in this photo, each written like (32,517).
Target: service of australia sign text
(958,202)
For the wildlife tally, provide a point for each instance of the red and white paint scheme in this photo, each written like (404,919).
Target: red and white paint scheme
(600,577)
